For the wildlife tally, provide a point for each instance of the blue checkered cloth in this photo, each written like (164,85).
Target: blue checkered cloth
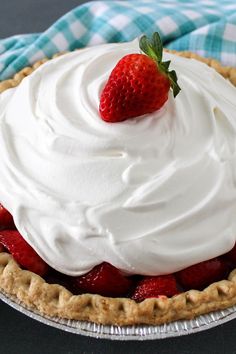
(207,27)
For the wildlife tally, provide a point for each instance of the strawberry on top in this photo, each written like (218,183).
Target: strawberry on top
(138,84)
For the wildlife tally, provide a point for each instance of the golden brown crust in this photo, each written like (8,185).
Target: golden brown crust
(55,300)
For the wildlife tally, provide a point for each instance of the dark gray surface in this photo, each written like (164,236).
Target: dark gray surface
(26,16)
(21,335)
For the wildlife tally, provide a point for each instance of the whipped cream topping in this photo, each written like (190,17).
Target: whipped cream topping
(150,195)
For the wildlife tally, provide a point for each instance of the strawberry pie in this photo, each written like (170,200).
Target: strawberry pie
(118,185)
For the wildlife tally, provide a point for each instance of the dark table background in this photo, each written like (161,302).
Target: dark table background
(22,335)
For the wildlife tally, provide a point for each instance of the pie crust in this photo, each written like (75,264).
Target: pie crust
(55,300)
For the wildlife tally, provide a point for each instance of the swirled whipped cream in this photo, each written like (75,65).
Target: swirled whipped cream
(150,195)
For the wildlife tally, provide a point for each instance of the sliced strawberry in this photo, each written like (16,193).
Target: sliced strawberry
(157,286)
(231,255)
(6,219)
(200,275)
(138,84)
(22,252)
(104,279)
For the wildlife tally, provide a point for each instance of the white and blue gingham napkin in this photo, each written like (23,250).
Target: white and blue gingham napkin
(207,27)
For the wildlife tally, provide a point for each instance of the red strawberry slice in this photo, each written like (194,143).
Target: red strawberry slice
(22,252)
(157,286)
(202,274)
(104,279)
(138,84)
(6,219)
(231,255)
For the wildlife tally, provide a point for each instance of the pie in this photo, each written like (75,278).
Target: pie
(57,159)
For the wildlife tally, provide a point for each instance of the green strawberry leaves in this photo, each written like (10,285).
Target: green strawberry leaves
(154,49)
(173,82)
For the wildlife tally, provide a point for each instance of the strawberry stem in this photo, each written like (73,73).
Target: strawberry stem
(154,49)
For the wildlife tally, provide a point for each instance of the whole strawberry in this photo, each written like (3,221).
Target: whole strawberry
(104,279)
(22,252)
(157,286)
(200,275)
(138,84)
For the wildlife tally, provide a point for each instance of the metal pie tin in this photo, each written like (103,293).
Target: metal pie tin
(140,332)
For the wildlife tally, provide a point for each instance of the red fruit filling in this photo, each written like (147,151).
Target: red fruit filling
(22,252)
(6,219)
(104,279)
(158,286)
(199,275)
(231,255)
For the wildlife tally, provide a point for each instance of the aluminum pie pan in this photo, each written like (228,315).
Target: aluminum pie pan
(140,332)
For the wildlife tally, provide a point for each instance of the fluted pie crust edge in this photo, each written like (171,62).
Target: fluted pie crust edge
(54,300)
